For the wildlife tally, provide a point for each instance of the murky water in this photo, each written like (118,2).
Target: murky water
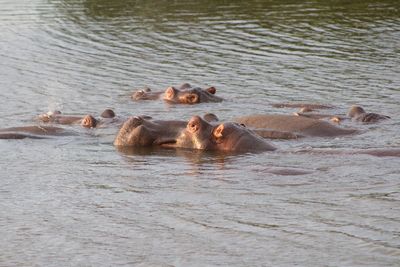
(77,201)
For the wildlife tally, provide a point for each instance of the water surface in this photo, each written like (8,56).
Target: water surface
(79,201)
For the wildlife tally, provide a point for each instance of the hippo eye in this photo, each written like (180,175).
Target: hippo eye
(243,125)
(192,98)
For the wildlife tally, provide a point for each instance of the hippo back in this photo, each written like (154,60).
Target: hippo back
(295,124)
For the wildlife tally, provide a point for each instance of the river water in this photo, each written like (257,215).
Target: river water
(78,201)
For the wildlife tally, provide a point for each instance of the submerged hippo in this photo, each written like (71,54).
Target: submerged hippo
(36,132)
(185,94)
(87,121)
(357,113)
(298,125)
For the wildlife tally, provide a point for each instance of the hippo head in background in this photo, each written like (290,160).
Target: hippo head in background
(143,131)
(357,113)
(183,94)
(228,136)
(190,95)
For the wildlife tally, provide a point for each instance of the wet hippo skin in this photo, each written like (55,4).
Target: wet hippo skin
(298,125)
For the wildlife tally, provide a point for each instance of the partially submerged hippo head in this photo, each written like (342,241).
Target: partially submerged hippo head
(357,113)
(229,136)
(145,94)
(184,94)
(189,95)
(143,131)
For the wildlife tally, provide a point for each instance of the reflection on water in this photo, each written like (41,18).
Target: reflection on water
(80,201)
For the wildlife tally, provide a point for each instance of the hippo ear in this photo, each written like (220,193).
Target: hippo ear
(138,95)
(211,90)
(170,93)
(335,119)
(89,122)
(192,98)
(218,132)
(185,86)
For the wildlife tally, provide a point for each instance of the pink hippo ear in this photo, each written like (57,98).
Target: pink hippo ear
(218,132)
(170,92)
(211,90)
(89,121)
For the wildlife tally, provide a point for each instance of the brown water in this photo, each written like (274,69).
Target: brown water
(78,201)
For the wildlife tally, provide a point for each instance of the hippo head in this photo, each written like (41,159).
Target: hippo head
(190,95)
(145,94)
(143,131)
(357,113)
(229,136)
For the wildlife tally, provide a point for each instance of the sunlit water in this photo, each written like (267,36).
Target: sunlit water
(78,201)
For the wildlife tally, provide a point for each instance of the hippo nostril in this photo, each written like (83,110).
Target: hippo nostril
(194,124)
(193,127)
(211,90)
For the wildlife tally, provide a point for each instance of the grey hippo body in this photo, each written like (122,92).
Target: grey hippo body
(298,125)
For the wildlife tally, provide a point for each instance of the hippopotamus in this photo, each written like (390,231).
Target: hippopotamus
(298,125)
(228,136)
(143,131)
(87,121)
(357,113)
(198,133)
(36,132)
(185,94)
